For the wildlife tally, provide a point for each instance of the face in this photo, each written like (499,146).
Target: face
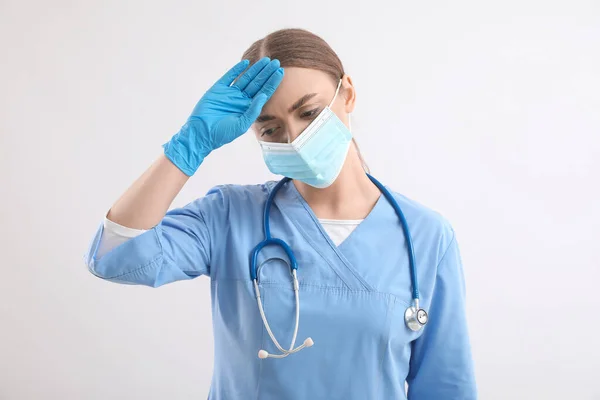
(300,97)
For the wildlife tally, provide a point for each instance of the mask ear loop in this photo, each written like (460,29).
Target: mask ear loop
(336,93)
(334,97)
(350,129)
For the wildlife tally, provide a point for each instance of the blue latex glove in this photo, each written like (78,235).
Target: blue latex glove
(225,112)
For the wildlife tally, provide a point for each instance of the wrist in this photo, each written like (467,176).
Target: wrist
(182,161)
(186,150)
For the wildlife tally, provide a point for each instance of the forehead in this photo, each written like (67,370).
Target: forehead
(296,83)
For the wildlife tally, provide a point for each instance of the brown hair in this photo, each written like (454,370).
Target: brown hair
(297,48)
(302,49)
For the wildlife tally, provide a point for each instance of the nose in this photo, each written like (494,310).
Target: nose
(294,128)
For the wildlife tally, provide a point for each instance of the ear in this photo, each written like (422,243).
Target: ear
(349,94)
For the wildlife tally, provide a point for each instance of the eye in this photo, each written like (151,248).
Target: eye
(268,132)
(310,114)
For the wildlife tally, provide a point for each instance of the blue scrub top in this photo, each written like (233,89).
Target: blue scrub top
(352,297)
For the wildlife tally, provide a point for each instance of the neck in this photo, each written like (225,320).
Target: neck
(351,196)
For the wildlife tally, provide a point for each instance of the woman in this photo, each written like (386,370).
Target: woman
(353,256)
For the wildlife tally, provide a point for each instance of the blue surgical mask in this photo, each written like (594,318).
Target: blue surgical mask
(317,155)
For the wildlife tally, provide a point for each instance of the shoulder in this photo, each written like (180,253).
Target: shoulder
(232,199)
(234,193)
(224,206)
(426,225)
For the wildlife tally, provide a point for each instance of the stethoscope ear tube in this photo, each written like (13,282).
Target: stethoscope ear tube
(308,342)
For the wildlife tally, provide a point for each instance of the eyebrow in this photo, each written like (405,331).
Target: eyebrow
(294,107)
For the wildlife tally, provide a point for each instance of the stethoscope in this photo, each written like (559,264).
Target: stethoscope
(414,316)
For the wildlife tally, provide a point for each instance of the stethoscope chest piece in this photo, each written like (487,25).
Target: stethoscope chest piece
(415,318)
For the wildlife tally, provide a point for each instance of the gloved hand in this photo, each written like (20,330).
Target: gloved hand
(224,113)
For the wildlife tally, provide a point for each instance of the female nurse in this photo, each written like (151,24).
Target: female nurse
(345,303)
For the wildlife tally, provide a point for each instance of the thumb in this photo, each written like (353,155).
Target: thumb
(253,111)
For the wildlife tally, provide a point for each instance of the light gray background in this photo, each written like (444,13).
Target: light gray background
(488,112)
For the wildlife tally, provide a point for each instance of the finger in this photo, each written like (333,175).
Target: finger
(257,83)
(271,85)
(251,73)
(248,118)
(233,73)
